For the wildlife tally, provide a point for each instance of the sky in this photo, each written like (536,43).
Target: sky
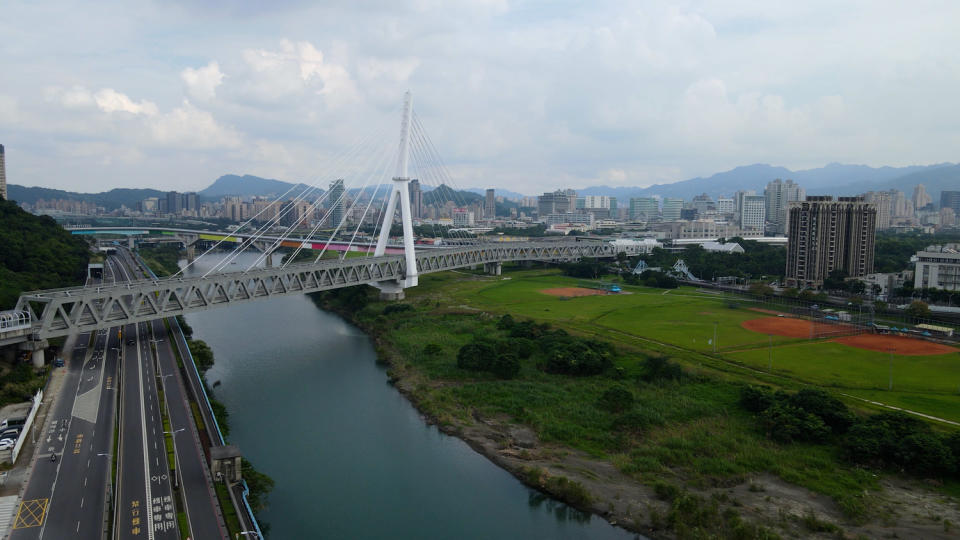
(526,96)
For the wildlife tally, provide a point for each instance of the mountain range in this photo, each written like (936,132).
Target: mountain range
(833,179)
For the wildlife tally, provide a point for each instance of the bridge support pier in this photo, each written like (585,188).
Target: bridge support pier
(269,259)
(37,349)
(191,253)
(391,290)
(130,242)
(493,269)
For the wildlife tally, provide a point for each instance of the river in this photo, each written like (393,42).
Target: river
(351,458)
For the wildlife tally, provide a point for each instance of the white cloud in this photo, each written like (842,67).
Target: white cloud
(299,68)
(109,100)
(191,128)
(202,82)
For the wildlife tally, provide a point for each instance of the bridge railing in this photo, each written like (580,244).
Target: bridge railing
(15,320)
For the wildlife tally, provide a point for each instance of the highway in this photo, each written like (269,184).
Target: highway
(144,507)
(193,474)
(68,498)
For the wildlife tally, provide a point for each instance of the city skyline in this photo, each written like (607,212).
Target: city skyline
(273,93)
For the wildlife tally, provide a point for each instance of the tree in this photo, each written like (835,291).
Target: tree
(505,323)
(505,366)
(761,289)
(918,309)
(786,423)
(476,356)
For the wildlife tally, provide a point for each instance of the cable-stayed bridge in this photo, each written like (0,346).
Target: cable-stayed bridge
(391,267)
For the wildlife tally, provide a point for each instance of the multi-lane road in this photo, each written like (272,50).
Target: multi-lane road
(69,493)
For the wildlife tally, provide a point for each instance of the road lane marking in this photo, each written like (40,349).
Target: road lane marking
(143,429)
(31,513)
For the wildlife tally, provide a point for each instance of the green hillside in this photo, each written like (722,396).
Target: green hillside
(36,253)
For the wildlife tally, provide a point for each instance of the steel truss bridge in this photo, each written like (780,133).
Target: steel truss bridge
(60,312)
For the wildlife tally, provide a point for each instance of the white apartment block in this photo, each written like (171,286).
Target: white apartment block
(938,267)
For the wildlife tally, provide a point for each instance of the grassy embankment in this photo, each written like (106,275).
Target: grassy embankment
(689,432)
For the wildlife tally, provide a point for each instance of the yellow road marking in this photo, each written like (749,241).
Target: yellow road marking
(31,513)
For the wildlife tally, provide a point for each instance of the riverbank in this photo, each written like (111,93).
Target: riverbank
(692,462)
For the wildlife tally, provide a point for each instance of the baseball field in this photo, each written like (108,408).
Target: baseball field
(925,375)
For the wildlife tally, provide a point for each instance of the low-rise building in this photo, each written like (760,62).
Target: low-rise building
(938,267)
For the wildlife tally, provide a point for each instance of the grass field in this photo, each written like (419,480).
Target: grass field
(686,318)
(689,431)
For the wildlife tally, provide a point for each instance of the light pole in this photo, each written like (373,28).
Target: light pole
(715,347)
(891,369)
(176,457)
(770,352)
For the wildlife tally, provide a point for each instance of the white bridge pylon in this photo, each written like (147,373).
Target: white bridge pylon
(394,289)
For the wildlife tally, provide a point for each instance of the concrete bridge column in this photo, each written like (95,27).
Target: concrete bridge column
(130,242)
(269,259)
(191,253)
(37,349)
(494,269)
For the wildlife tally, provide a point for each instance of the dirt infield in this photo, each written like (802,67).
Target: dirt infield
(779,326)
(903,345)
(795,328)
(571,292)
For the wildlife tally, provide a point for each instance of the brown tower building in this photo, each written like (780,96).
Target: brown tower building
(826,235)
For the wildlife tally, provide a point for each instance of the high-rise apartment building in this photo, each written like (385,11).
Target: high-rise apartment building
(671,209)
(779,195)
(883,202)
(644,208)
(950,199)
(753,212)
(3,174)
(490,205)
(335,202)
(174,202)
(416,199)
(826,235)
(920,197)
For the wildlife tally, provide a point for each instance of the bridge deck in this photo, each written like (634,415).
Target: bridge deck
(78,309)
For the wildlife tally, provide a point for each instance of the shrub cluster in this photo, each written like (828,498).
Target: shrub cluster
(652,278)
(890,439)
(560,352)
(396,308)
(808,415)
(481,356)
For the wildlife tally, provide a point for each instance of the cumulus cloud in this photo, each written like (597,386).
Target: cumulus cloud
(202,82)
(189,127)
(109,100)
(298,68)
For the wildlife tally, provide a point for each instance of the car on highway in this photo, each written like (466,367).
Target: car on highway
(131,342)
(6,444)
(58,362)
